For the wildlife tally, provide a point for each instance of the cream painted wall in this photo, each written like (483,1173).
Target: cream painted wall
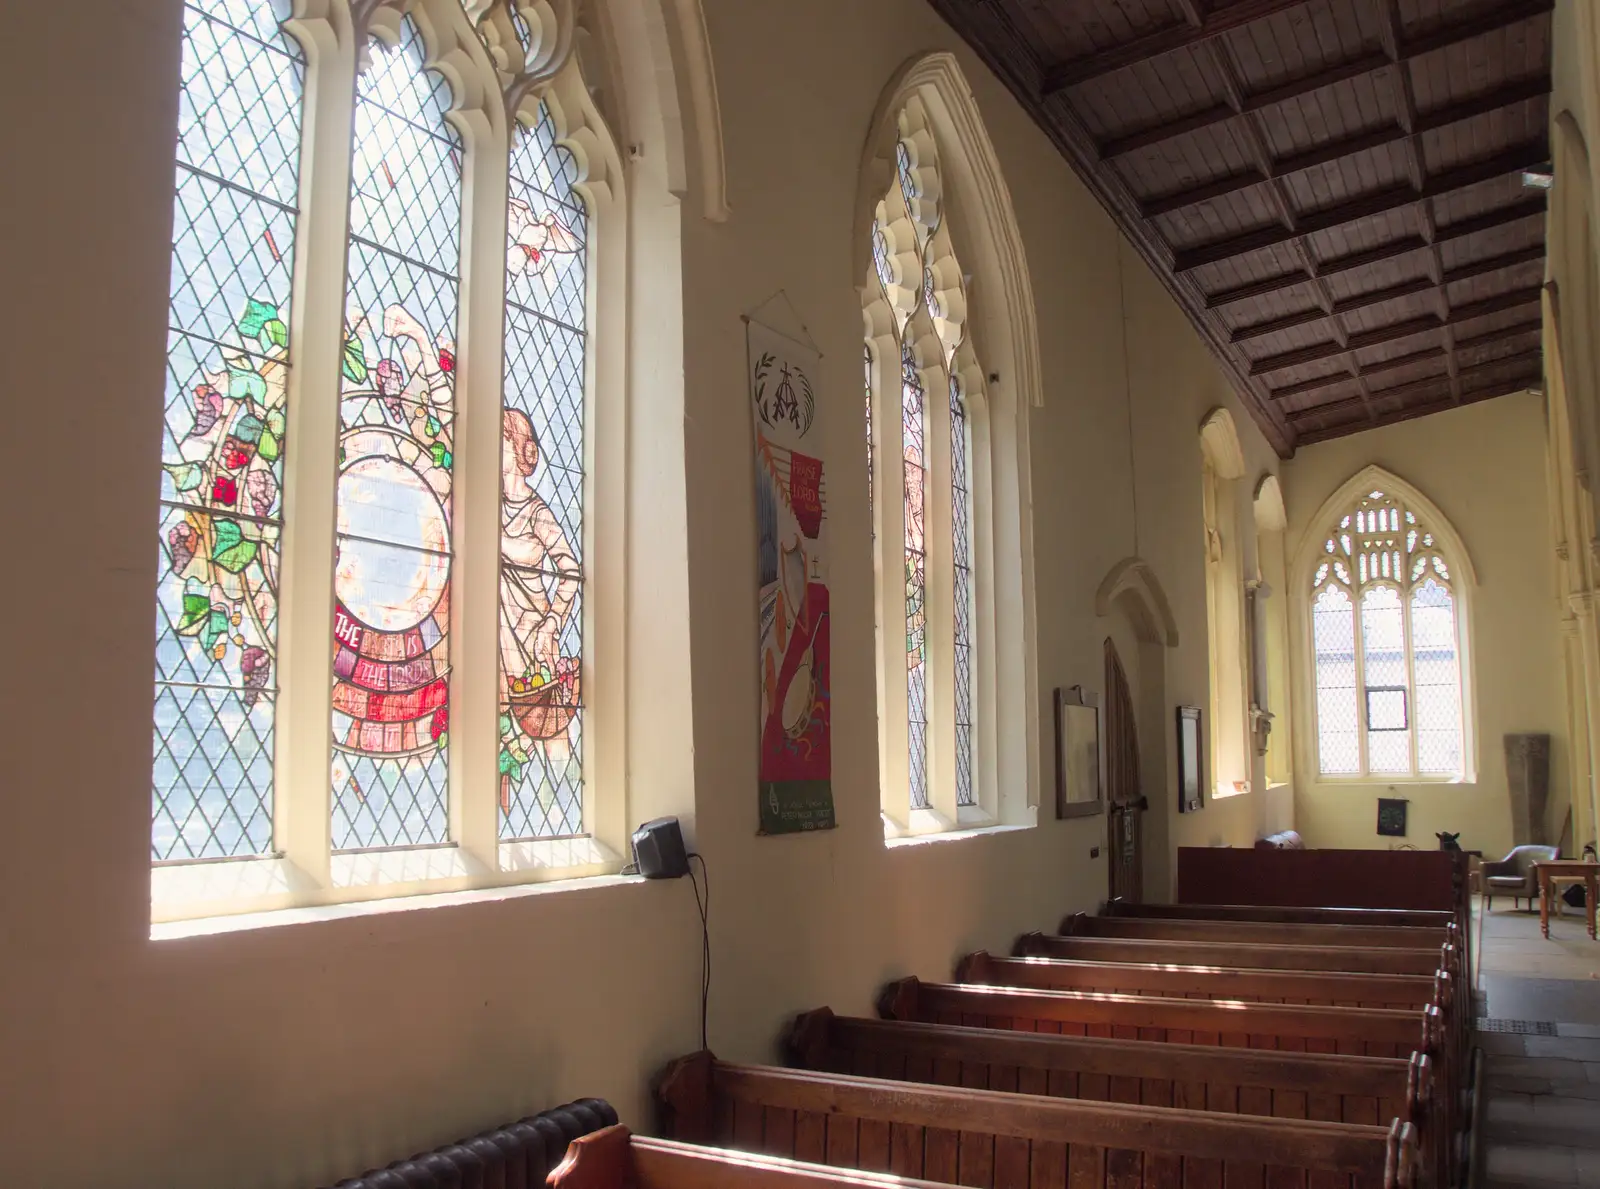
(288,1056)
(1484,466)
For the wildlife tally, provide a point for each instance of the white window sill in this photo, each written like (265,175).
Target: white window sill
(253,893)
(1391,782)
(953,835)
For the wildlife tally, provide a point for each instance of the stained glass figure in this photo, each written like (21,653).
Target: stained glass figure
(961,537)
(542,492)
(224,429)
(913,402)
(1389,700)
(392,580)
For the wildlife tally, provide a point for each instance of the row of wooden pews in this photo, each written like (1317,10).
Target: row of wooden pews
(1159,1046)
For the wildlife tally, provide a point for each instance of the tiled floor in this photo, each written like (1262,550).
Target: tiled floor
(1543,1110)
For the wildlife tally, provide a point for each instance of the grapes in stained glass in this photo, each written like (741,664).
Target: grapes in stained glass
(392,578)
(224,427)
(542,492)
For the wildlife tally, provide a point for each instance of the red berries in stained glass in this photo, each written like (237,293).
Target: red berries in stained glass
(447,359)
(225,491)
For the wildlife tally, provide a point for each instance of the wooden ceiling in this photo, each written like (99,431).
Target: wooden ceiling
(1332,189)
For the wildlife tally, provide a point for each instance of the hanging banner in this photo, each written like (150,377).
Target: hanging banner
(796,772)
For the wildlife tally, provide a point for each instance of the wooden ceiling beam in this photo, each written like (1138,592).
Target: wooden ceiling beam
(1525,363)
(1526,209)
(1306,437)
(1160,41)
(1378,202)
(1466,272)
(1516,299)
(1349,146)
(1453,33)
(1517,330)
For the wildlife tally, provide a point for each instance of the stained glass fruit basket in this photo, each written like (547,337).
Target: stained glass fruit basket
(544,710)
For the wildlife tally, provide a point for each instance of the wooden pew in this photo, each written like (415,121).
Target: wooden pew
(1371,960)
(1367,1090)
(1347,1089)
(1257,932)
(1211,982)
(1358,1031)
(616,1159)
(1404,917)
(989,1139)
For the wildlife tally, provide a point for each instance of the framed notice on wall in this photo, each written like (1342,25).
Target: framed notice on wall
(1080,762)
(796,766)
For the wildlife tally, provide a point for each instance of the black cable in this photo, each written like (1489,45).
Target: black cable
(705,940)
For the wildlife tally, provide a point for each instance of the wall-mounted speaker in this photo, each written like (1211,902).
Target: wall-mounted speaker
(658,850)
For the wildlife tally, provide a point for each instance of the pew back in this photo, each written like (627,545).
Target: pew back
(1257,932)
(1372,960)
(990,1139)
(1283,914)
(1204,982)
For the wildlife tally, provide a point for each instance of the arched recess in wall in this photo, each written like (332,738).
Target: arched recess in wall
(1571,298)
(666,44)
(965,210)
(1271,515)
(1222,457)
(1133,585)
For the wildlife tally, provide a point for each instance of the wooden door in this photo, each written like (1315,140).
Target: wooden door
(1125,801)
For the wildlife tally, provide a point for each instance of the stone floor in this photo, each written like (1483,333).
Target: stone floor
(1542,1118)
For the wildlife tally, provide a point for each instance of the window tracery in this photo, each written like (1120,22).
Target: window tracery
(446,93)
(1386,636)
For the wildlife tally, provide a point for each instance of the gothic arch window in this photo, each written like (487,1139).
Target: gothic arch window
(446,351)
(928,405)
(1385,591)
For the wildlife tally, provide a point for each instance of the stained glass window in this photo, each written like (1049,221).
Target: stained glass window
(913,402)
(961,533)
(392,579)
(1389,694)
(909,224)
(228,360)
(542,487)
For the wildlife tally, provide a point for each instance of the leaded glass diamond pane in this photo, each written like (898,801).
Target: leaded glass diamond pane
(961,529)
(914,418)
(1334,643)
(1383,651)
(542,492)
(392,575)
(223,432)
(1437,670)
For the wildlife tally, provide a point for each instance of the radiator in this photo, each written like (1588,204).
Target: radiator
(517,1156)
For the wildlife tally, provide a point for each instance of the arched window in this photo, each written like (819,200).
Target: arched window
(1387,637)
(397,414)
(433,435)
(948,517)
(234,237)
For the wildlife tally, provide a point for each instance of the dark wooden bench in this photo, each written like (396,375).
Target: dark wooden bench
(1211,982)
(1258,932)
(990,1139)
(1372,960)
(1368,1090)
(1358,1031)
(1404,917)
(616,1159)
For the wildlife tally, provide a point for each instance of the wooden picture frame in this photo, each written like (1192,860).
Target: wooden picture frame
(1191,760)
(1080,753)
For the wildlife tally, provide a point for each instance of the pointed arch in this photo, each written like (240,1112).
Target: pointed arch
(1219,442)
(1133,578)
(1377,478)
(1271,515)
(941,272)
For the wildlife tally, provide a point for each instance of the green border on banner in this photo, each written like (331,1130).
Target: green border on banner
(796,806)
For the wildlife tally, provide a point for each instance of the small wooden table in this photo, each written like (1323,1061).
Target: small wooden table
(1553,874)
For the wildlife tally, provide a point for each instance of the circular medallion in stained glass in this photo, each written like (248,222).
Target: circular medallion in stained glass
(394,563)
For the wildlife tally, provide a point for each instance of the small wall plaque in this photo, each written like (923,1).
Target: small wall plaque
(1392,817)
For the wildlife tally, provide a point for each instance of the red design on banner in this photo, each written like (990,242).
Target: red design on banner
(806,755)
(805,493)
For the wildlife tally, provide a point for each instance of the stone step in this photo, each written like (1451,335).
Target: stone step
(1524,1120)
(1507,1165)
